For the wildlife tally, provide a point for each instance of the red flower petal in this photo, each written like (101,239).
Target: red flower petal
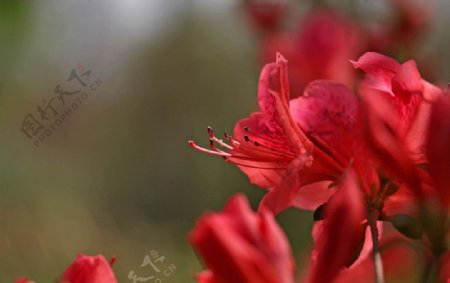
(379,71)
(311,196)
(342,230)
(384,139)
(327,113)
(273,98)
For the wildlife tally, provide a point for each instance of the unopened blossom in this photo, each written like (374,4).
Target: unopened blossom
(89,269)
(238,245)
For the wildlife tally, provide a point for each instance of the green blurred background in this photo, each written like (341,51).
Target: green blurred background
(117,177)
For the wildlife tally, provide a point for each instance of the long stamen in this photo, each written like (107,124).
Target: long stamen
(251,153)
(245,156)
(213,152)
(271,149)
(252,166)
(231,140)
(211,144)
(219,141)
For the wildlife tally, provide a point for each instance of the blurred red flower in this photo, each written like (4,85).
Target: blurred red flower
(238,245)
(23,280)
(320,49)
(89,269)
(411,20)
(265,15)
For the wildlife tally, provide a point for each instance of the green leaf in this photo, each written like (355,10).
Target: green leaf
(408,226)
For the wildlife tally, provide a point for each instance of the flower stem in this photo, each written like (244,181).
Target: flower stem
(378,264)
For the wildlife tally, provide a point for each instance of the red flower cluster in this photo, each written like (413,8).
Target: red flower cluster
(85,269)
(358,160)
(323,39)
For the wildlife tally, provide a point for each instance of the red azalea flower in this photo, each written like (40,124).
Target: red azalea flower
(397,107)
(296,148)
(89,269)
(239,245)
(402,83)
(407,128)
(289,145)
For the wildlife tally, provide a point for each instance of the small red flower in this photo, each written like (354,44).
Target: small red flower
(266,14)
(89,269)
(23,280)
(238,245)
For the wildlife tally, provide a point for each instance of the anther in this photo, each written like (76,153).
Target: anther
(112,260)
(213,152)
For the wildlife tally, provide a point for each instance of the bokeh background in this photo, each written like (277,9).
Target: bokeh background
(117,177)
